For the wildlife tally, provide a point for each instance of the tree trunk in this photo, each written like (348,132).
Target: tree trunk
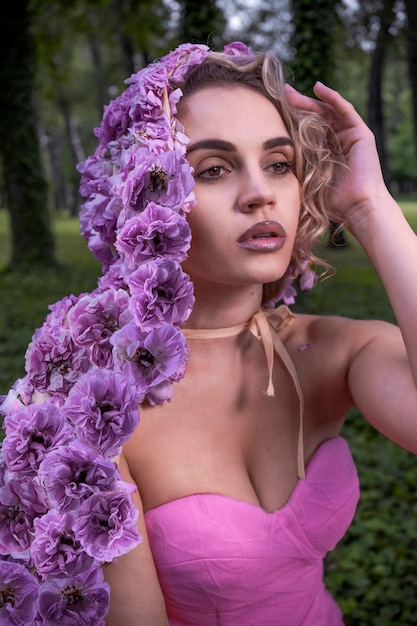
(313,38)
(95,51)
(26,192)
(76,153)
(59,187)
(126,44)
(375,102)
(411,10)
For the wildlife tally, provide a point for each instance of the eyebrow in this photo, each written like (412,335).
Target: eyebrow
(277,142)
(212,144)
(227,146)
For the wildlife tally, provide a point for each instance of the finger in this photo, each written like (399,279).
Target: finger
(339,105)
(317,106)
(328,100)
(300,101)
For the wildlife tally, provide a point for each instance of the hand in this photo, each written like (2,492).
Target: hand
(361,184)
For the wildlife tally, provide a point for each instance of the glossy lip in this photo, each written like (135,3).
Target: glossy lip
(264,236)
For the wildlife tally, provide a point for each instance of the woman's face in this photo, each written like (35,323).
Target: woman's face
(248,197)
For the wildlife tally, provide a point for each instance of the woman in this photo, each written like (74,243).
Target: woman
(221,437)
(241,479)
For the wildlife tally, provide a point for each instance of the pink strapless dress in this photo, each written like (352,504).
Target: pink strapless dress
(226,562)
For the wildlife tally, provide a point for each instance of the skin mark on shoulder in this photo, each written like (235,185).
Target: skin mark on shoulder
(305,346)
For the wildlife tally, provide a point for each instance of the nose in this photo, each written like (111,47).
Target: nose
(255,192)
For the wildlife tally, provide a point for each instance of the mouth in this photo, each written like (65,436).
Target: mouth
(264,236)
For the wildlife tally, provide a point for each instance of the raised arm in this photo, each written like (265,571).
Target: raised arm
(135,594)
(383,374)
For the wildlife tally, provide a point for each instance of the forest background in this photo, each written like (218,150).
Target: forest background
(63,61)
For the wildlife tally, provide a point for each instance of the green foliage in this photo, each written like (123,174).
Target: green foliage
(25,295)
(371,573)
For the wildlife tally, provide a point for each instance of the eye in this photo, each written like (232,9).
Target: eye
(281,168)
(213,173)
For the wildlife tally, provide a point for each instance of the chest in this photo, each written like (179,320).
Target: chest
(222,434)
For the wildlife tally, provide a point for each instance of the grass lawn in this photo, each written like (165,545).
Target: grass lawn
(372,571)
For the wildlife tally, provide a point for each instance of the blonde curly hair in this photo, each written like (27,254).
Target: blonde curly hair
(317,153)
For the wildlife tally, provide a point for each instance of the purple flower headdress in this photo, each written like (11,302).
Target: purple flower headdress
(64,509)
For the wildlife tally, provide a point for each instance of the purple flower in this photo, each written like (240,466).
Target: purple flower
(99,213)
(3,468)
(102,250)
(104,212)
(111,159)
(98,222)
(106,525)
(308,279)
(143,99)
(59,311)
(103,407)
(159,393)
(81,600)
(18,396)
(31,433)
(113,277)
(157,232)
(150,358)
(116,118)
(165,179)
(237,49)
(94,173)
(149,85)
(72,473)
(288,294)
(132,179)
(170,180)
(94,319)
(18,595)
(179,61)
(155,135)
(54,362)
(161,293)
(21,501)
(308,276)
(55,550)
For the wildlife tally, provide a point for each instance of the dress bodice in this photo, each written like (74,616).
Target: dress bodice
(224,561)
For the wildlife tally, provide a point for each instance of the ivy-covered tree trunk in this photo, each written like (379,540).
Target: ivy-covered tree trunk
(202,22)
(375,103)
(411,10)
(315,27)
(26,192)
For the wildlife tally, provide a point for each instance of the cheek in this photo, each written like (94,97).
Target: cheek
(204,218)
(198,228)
(210,241)
(201,233)
(295,206)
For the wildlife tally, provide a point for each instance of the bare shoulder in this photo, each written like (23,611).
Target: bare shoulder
(337,332)
(325,350)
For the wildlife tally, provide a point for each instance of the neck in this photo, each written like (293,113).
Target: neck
(225,306)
